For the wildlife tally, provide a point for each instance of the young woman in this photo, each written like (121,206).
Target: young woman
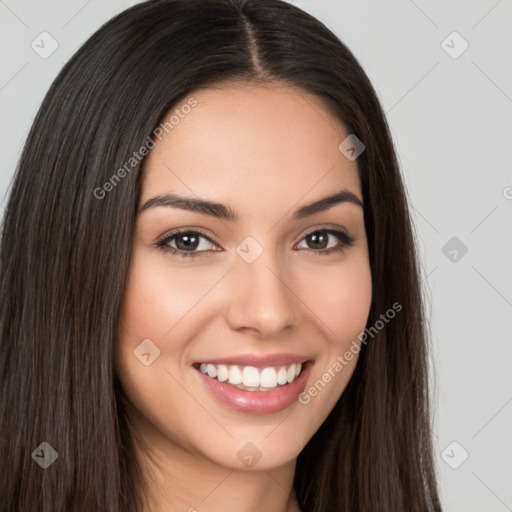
(210,290)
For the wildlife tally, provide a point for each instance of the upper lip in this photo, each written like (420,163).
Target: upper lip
(258,361)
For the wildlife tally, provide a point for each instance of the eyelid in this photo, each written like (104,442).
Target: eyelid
(179,231)
(321,227)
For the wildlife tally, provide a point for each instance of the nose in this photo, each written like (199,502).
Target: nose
(261,298)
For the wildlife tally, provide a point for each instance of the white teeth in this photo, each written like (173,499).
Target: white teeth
(251,378)
(235,375)
(268,378)
(222,373)
(212,371)
(281,376)
(290,375)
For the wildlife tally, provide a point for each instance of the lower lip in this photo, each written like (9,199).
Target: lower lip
(257,402)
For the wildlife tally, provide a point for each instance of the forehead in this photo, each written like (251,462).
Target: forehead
(251,142)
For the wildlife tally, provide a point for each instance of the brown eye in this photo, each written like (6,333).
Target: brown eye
(187,243)
(318,240)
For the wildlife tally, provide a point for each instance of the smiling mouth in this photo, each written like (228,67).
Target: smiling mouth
(250,378)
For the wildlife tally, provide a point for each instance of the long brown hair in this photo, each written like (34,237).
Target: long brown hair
(65,252)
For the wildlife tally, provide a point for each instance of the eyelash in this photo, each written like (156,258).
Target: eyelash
(345,239)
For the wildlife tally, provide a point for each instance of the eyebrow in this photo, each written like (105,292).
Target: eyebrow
(221,211)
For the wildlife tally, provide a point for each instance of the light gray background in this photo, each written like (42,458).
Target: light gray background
(451,120)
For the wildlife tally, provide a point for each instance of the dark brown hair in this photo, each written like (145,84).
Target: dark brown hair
(65,253)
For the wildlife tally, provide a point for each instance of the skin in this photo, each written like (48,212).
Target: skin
(263,151)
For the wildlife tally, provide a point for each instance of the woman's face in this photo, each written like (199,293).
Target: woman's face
(248,299)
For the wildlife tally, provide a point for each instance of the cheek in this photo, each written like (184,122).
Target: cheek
(147,314)
(341,299)
(158,297)
(350,305)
